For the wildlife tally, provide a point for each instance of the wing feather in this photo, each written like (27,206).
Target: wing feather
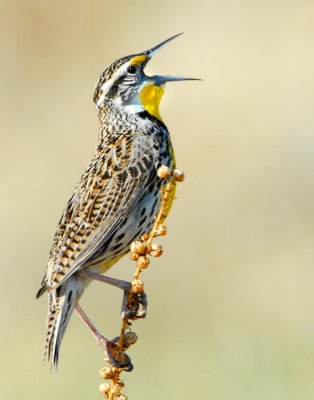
(108,191)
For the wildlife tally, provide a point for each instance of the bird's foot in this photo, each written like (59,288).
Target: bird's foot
(134,305)
(117,357)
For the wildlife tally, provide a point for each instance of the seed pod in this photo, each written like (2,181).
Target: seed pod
(120,383)
(116,389)
(156,250)
(130,338)
(122,397)
(104,388)
(106,373)
(161,230)
(138,247)
(137,286)
(134,256)
(143,262)
(178,175)
(163,172)
(145,237)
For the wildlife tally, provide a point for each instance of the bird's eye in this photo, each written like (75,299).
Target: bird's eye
(132,69)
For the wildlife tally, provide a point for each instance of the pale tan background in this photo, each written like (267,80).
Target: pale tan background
(231,303)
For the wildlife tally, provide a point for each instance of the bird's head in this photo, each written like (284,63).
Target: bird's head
(125,84)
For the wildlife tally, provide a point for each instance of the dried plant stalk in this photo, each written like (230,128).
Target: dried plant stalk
(135,298)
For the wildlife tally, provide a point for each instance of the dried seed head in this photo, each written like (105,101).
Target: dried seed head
(143,262)
(145,237)
(163,172)
(122,397)
(134,256)
(120,383)
(161,230)
(137,286)
(130,338)
(138,247)
(116,389)
(106,373)
(156,250)
(104,388)
(178,175)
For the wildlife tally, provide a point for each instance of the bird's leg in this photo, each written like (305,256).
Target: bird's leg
(117,358)
(102,341)
(134,305)
(111,281)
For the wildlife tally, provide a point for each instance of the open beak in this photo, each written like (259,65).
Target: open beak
(158,79)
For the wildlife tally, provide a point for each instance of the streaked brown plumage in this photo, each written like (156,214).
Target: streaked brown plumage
(117,197)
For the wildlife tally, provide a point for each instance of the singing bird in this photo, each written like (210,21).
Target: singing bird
(118,195)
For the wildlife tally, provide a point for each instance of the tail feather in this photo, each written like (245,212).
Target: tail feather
(61,305)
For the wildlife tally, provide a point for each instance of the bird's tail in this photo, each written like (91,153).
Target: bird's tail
(61,304)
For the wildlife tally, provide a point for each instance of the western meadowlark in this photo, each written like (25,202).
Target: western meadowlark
(117,196)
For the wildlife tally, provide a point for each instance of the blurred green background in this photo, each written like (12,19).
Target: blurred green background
(231,303)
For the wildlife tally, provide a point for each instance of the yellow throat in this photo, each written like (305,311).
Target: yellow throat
(150,97)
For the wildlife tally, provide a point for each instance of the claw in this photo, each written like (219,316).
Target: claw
(118,358)
(134,305)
